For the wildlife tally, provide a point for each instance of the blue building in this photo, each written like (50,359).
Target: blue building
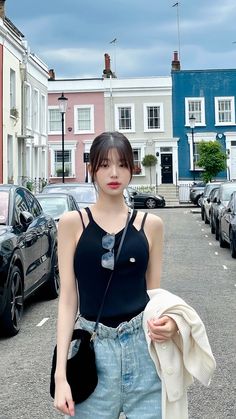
(203,104)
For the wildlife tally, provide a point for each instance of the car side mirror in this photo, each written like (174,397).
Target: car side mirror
(26,218)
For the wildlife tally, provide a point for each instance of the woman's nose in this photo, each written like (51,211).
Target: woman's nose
(114,170)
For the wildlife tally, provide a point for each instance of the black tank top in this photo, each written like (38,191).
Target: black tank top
(127,294)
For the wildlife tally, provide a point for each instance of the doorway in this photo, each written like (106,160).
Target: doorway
(166,168)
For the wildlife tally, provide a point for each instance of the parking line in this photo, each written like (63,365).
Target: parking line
(225,267)
(206,235)
(42,322)
(216,253)
(210,244)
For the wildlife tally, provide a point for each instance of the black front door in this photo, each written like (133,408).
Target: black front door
(166,168)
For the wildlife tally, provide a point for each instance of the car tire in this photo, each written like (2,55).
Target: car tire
(232,245)
(12,314)
(212,226)
(217,231)
(198,200)
(52,286)
(202,214)
(150,203)
(206,221)
(221,240)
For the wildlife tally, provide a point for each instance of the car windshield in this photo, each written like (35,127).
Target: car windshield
(80,193)
(227,191)
(209,188)
(4,203)
(54,207)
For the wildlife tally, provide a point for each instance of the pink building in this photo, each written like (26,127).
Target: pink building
(84,120)
(1,113)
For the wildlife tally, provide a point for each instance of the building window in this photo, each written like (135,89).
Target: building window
(28,105)
(58,163)
(12,92)
(153,117)
(84,119)
(224,111)
(124,118)
(43,114)
(137,161)
(195,107)
(36,110)
(54,121)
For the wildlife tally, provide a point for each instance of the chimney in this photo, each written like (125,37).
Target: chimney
(2,9)
(107,73)
(51,74)
(175,65)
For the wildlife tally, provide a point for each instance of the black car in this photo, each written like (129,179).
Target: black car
(56,204)
(146,199)
(196,192)
(205,200)
(28,254)
(227,226)
(221,202)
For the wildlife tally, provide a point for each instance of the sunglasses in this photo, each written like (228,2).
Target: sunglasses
(108,259)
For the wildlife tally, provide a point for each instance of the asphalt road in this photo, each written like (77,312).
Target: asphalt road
(195,268)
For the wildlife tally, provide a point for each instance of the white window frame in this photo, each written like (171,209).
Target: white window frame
(28,105)
(198,137)
(225,98)
(145,113)
(12,90)
(57,147)
(36,110)
(125,105)
(76,127)
(43,114)
(188,113)
(49,131)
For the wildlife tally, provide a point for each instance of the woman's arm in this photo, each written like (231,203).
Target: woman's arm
(67,307)
(163,328)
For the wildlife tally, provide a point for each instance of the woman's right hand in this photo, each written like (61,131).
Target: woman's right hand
(63,398)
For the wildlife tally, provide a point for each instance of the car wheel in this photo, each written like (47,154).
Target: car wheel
(232,245)
(217,231)
(150,203)
(52,285)
(212,226)
(202,214)
(205,218)
(198,200)
(11,317)
(221,240)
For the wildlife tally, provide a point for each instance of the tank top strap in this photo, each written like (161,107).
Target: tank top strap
(82,221)
(133,216)
(90,217)
(143,220)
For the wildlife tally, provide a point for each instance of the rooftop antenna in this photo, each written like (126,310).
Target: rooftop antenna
(114,52)
(176,5)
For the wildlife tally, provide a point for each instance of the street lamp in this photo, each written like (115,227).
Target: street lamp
(192,121)
(62,109)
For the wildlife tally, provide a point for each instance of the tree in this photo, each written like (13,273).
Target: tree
(149,161)
(212,159)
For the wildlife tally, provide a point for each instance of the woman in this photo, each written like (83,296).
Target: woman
(127,377)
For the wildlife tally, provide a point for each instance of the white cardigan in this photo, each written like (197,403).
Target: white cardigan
(180,359)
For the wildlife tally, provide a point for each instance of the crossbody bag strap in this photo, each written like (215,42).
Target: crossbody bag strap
(112,273)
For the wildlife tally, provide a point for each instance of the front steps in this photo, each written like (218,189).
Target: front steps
(170,193)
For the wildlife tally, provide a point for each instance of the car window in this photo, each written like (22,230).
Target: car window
(4,203)
(80,193)
(231,203)
(226,191)
(34,207)
(54,207)
(20,205)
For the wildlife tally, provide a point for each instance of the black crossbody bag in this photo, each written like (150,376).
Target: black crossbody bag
(81,371)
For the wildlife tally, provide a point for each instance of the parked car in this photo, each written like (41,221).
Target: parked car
(146,199)
(222,200)
(129,200)
(84,193)
(227,226)
(208,205)
(56,204)
(213,211)
(28,254)
(205,202)
(196,191)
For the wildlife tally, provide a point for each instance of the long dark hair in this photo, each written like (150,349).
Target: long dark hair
(105,142)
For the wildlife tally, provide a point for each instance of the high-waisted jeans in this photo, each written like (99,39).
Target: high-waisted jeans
(127,378)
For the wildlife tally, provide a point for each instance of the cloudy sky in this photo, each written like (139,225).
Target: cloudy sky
(72,36)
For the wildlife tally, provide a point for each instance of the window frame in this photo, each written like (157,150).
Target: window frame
(57,147)
(76,120)
(36,110)
(217,99)
(145,113)
(190,113)
(52,108)
(132,116)
(28,105)
(43,114)
(12,91)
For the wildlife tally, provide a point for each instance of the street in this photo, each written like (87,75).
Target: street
(195,268)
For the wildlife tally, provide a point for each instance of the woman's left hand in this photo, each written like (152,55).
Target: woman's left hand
(162,329)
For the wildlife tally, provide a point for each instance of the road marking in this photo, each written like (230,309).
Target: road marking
(210,244)
(42,322)
(206,235)
(225,267)
(216,253)
(203,229)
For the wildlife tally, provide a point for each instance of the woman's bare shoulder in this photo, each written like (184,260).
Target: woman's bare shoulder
(152,220)
(70,219)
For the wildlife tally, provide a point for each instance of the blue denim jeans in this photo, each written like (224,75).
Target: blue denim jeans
(127,378)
